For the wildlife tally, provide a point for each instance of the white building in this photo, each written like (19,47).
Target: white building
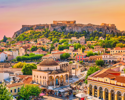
(21,51)
(15,53)
(3,56)
(3,76)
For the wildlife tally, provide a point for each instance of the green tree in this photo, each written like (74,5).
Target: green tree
(76,46)
(27,69)
(33,48)
(18,58)
(4,94)
(99,62)
(4,38)
(31,54)
(89,53)
(119,45)
(91,71)
(124,70)
(70,62)
(19,65)
(81,62)
(29,90)
(64,56)
(54,40)
(83,48)
(52,47)
(1,50)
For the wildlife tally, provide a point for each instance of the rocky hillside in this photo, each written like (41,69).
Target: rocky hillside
(69,26)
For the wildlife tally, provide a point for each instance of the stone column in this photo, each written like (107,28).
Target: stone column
(97,93)
(59,80)
(54,81)
(109,96)
(93,91)
(103,94)
(115,96)
(88,90)
(122,97)
(68,79)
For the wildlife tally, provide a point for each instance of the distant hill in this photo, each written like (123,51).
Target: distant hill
(69,27)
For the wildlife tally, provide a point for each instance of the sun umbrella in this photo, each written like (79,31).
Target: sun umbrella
(81,95)
(41,94)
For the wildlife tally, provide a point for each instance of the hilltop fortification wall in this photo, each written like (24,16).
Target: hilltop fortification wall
(69,26)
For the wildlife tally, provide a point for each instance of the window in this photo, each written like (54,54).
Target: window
(11,91)
(18,89)
(43,77)
(40,76)
(37,76)
(34,75)
(81,57)
(15,90)
(78,56)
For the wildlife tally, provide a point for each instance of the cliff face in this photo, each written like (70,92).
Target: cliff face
(69,26)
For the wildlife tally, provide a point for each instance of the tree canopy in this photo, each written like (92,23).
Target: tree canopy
(4,38)
(34,48)
(99,62)
(27,69)
(91,71)
(90,53)
(64,56)
(4,94)
(29,90)
(31,57)
(19,65)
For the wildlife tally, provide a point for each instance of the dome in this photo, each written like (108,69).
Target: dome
(48,62)
(54,72)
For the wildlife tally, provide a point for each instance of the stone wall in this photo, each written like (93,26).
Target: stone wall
(69,26)
(11,70)
(64,22)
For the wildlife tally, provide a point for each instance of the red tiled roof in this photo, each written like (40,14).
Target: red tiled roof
(75,50)
(118,48)
(109,74)
(14,85)
(59,53)
(22,76)
(106,54)
(28,80)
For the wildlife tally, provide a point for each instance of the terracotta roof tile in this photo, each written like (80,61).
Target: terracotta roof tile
(28,80)
(14,85)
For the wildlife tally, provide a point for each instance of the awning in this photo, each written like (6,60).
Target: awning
(69,88)
(81,95)
(66,89)
(57,89)
(61,90)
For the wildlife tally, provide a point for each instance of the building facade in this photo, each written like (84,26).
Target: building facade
(117,50)
(49,73)
(107,85)
(81,57)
